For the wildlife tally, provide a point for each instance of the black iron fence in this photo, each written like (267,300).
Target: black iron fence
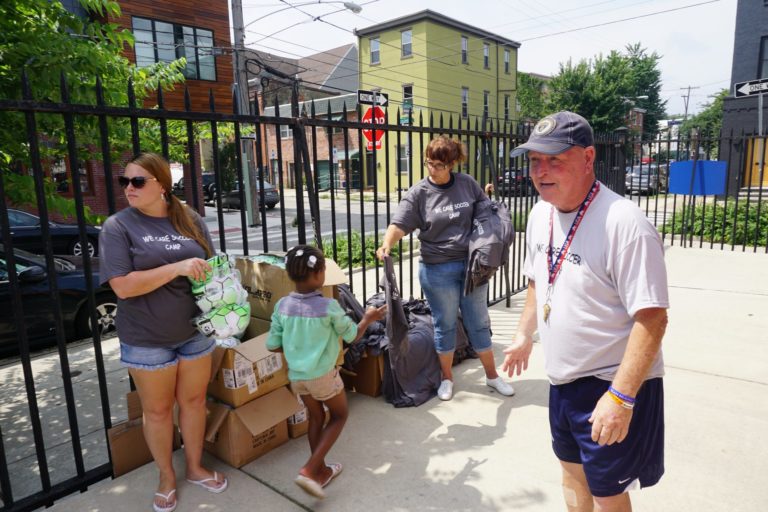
(332,191)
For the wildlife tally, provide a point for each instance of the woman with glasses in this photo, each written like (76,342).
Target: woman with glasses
(148,252)
(441,207)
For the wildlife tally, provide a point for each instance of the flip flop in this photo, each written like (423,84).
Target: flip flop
(211,488)
(310,486)
(336,469)
(167,498)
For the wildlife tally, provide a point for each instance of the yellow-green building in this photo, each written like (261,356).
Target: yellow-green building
(434,64)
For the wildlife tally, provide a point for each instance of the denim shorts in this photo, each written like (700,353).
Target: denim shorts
(636,462)
(157,358)
(443,286)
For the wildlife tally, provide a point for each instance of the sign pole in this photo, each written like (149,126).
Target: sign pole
(760,134)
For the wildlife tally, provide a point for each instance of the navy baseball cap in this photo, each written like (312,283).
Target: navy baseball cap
(557,133)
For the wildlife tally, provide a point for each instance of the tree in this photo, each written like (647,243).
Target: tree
(531,96)
(603,89)
(708,122)
(44,40)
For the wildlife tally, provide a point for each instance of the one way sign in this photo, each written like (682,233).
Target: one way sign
(750,88)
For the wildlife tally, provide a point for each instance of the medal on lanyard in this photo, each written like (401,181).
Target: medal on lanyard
(554,267)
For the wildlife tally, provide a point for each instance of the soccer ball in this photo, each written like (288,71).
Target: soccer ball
(226,321)
(220,266)
(222,291)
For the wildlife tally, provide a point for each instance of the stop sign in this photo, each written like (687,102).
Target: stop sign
(375,115)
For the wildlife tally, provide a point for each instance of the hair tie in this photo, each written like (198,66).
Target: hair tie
(312,261)
(300,252)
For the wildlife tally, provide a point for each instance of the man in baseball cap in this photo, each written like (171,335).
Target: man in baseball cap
(557,133)
(597,295)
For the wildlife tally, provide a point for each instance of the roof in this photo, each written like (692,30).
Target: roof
(334,69)
(435,17)
(321,106)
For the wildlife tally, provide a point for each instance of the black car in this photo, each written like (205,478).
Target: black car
(27,234)
(209,185)
(38,305)
(271,196)
(515,182)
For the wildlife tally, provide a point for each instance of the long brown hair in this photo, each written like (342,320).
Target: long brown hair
(181,216)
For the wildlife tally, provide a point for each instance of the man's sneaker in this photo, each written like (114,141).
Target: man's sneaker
(500,385)
(445,391)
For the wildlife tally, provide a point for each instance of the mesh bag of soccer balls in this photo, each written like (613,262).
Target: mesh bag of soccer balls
(223,302)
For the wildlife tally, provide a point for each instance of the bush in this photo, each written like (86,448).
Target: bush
(741,223)
(356,241)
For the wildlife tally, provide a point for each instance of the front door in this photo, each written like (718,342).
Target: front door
(756,172)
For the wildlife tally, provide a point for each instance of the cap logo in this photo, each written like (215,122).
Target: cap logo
(545,126)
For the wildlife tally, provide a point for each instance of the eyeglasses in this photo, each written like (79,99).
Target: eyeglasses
(438,166)
(136,181)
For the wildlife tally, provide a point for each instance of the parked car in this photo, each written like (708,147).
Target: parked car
(232,198)
(642,179)
(38,304)
(27,234)
(209,185)
(515,182)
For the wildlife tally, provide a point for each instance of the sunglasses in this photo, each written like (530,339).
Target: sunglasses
(136,181)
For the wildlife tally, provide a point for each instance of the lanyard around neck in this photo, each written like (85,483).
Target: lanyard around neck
(554,266)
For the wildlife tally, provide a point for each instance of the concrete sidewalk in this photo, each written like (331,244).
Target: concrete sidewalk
(483,452)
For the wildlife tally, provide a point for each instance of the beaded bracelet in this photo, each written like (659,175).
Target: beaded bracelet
(624,397)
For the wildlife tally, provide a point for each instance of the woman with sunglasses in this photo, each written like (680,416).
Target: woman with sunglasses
(441,207)
(148,251)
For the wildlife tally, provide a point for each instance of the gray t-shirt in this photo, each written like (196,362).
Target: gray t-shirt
(129,241)
(443,217)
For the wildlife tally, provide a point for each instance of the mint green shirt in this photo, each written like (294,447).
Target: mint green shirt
(307,326)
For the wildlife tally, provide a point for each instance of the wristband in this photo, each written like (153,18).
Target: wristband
(624,397)
(621,402)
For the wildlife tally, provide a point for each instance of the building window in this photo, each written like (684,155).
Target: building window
(506,107)
(158,41)
(763,67)
(506,61)
(375,50)
(61,173)
(486,56)
(464,102)
(403,159)
(286,132)
(406,43)
(486,99)
(464,50)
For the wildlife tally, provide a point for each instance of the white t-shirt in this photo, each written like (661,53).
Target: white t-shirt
(614,268)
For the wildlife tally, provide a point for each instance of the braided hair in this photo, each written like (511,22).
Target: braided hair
(302,260)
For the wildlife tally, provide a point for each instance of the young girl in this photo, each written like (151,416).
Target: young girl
(306,327)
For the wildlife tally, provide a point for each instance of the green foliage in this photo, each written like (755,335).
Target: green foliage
(228,165)
(530,94)
(355,240)
(710,120)
(47,42)
(742,224)
(603,89)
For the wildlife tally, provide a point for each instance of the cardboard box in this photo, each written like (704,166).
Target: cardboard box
(126,440)
(246,372)
(256,327)
(366,377)
(298,424)
(239,436)
(267,283)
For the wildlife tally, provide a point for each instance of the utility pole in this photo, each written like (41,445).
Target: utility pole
(243,97)
(686,98)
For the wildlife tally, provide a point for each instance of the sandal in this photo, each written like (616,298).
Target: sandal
(310,486)
(167,498)
(336,469)
(216,489)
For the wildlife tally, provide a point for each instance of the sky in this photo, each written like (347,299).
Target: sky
(693,37)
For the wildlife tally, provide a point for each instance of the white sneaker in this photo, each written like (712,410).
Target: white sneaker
(445,391)
(500,385)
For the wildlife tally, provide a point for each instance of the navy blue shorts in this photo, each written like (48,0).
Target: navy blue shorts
(614,469)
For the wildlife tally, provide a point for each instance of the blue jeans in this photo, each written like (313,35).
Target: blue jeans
(443,286)
(157,358)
